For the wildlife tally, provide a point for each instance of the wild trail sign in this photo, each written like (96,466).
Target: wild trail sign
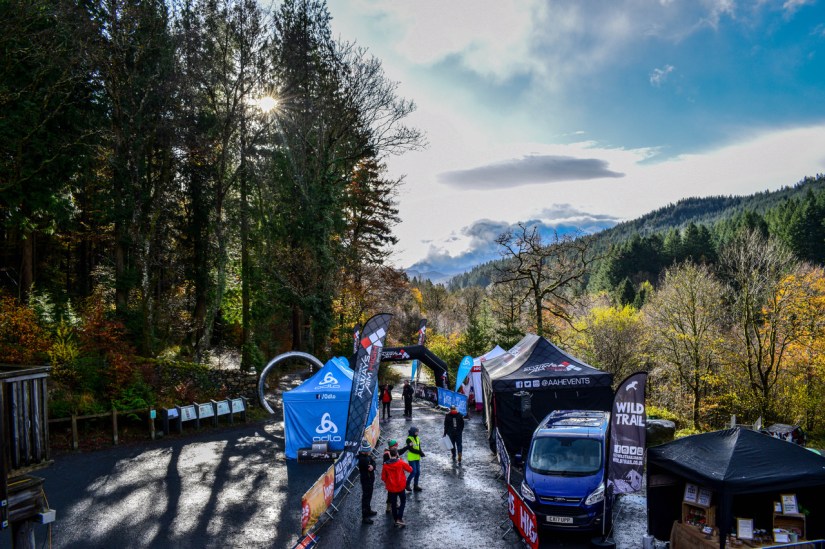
(627,436)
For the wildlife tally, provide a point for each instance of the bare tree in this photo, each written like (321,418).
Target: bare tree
(762,324)
(551,272)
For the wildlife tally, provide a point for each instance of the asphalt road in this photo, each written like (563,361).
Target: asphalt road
(234,488)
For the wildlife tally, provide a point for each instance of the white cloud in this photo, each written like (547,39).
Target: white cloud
(497,39)
(658,76)
(792,5)
(758,161)
(489,38)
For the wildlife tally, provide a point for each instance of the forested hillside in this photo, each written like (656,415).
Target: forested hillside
(785,211)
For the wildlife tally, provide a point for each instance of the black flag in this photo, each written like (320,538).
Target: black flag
(356,335)
(627,436)
(364,385)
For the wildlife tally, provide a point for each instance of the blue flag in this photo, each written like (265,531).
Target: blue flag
(463,371)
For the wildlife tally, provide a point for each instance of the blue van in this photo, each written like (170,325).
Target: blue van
(564,473)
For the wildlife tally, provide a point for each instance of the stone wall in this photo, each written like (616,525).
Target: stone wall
(237,384)
(182,382)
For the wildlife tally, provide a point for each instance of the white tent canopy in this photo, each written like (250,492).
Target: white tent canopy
(475,374)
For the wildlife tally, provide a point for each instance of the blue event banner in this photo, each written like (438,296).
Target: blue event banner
(449,398)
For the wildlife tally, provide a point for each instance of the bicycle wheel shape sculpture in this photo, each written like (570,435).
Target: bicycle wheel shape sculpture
(262,384)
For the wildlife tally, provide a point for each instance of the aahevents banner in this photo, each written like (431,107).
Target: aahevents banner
(364,385)
(524,519)
(627,436)
(316,500)
(503,458)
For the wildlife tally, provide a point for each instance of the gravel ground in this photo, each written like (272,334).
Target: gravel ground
(461,506)
(233,488)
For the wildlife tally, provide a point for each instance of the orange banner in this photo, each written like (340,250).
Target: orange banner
(317,499)
(372,432)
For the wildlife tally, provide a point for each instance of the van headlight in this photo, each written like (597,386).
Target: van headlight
(527,492)
(596,496)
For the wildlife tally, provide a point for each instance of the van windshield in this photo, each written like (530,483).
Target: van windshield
(566,455)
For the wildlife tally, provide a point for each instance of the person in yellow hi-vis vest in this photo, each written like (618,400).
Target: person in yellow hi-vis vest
(414,455)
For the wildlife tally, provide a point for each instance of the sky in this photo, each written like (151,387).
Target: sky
(578,114)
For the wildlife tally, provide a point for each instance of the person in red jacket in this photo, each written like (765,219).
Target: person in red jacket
(395,480)
(386,400)
(390,445)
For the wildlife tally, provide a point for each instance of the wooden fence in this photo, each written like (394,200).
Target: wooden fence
(148,416)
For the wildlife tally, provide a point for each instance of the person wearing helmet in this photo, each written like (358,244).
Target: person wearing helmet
(414,457)
(366,469)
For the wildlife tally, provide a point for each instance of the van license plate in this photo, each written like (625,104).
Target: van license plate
(560,520)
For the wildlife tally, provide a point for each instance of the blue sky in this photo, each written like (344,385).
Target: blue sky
(580,114)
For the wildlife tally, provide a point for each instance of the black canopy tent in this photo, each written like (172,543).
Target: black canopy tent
(420,353)
(733,463)
(537,372)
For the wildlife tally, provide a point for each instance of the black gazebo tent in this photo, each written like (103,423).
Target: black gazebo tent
(733,463)
(538,372)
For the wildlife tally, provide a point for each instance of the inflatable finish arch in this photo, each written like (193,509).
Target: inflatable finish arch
(420,353)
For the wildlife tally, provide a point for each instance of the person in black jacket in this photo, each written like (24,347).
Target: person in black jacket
(454,428)
(366,469)
(407,393)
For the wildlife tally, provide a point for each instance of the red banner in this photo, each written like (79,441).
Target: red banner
(524,519)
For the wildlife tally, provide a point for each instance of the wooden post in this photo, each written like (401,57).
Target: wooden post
(75,443)
(114,426)
(23,535)
(151,423)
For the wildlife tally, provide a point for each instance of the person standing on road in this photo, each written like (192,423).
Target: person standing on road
(366,469)
(391,445)
(454,428)
(471,402)
(392,473)
(386,399)
(414,455)
(407,393)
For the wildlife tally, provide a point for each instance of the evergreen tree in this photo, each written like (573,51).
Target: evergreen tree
(48,119)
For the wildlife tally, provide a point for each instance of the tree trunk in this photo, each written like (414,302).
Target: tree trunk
(27,266)
(121,292)
(297,343)
(245,332)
